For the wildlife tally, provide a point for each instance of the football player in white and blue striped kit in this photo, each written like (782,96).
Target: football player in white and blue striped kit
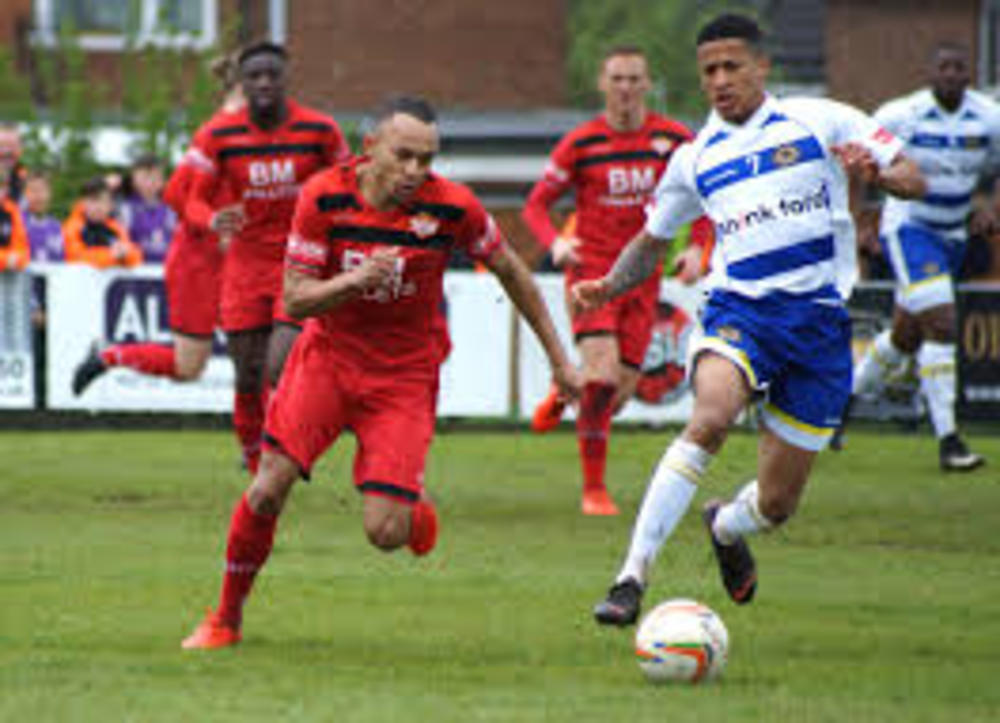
(772,175)
(953,134)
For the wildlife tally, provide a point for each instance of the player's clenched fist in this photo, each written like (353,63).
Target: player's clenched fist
(589,295)
(377,269)
(228,220)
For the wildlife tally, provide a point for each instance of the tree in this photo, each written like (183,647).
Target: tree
(664,29)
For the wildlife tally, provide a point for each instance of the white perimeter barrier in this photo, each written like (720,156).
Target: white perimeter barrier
(86,305)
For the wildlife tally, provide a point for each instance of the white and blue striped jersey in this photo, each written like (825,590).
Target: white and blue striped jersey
(951,149)
(776,196)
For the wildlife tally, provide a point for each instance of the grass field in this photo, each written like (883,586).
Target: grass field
(877,603)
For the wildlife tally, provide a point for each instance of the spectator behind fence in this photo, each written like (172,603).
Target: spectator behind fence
(14,250)
(45,235)
(11,171)
(148,219)
(93,237)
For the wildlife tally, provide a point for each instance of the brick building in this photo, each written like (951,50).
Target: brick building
(475,54)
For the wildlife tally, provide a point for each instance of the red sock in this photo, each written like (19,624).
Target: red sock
(152,359)
(248,422)
(592,427)
(251,536)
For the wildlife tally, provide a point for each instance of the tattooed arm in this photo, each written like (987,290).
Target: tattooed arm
(636,263)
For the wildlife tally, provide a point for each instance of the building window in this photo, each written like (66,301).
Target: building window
(110,24)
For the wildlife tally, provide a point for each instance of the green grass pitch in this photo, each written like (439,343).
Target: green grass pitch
(878,602)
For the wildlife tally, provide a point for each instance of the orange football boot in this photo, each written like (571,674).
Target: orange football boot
(548,413)
(211,633)
(598,502)
(423,527)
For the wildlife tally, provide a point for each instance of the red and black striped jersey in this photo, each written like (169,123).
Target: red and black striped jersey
(335,228)
(613,175)
(263,169)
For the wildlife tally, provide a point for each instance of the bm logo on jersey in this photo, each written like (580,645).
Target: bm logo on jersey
(272,173)
(786,155)
(631,181)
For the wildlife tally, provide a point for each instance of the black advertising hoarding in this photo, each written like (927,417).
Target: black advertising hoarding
(979,355)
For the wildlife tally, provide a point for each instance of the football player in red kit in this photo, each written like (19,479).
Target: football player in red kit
(365,264)
(613,164)
(261,155)
(192,275)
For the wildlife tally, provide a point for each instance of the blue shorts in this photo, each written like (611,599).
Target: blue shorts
(795,350)
(924,263)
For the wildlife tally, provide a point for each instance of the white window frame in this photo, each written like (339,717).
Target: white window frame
(989,46)
(277,15)
(47,29)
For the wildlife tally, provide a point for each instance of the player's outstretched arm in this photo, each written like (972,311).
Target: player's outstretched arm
(521,289)
(637,261)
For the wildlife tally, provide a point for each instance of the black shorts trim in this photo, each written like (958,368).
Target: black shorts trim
(593,332)
(275,444)
(389,490)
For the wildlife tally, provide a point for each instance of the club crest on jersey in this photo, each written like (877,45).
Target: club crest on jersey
(424,225)
(728,333)
(786,155)
(931,268)
(662,145)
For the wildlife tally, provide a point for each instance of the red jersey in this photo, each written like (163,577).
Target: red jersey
(335,228)
(613,174)
(262,169)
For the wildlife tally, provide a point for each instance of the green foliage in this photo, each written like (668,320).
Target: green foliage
(664,29)
(165,94)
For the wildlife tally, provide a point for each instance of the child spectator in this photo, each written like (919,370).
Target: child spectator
(14,250)
(93,237)
(44,230)
(150,222)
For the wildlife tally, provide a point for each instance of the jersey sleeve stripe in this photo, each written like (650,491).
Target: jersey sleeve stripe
(337,202)
(311,126)
(230,131)
(621,156)
(390,236)
(591,140)
(443,211)
(273,150)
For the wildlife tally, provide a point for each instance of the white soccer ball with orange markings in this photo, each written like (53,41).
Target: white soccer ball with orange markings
(682,641)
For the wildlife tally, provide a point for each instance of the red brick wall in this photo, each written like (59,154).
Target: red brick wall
(460,53)
(878,50)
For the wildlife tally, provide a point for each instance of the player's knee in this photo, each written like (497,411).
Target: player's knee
(708,428)
(777,508)
(189,369)
(387,532)
(272,484)
(940,328)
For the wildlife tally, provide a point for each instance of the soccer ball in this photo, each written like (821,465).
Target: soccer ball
(681,641)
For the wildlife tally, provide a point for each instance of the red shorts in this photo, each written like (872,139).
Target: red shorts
(252,291)
(392,416)
(193,275)
(629,318)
